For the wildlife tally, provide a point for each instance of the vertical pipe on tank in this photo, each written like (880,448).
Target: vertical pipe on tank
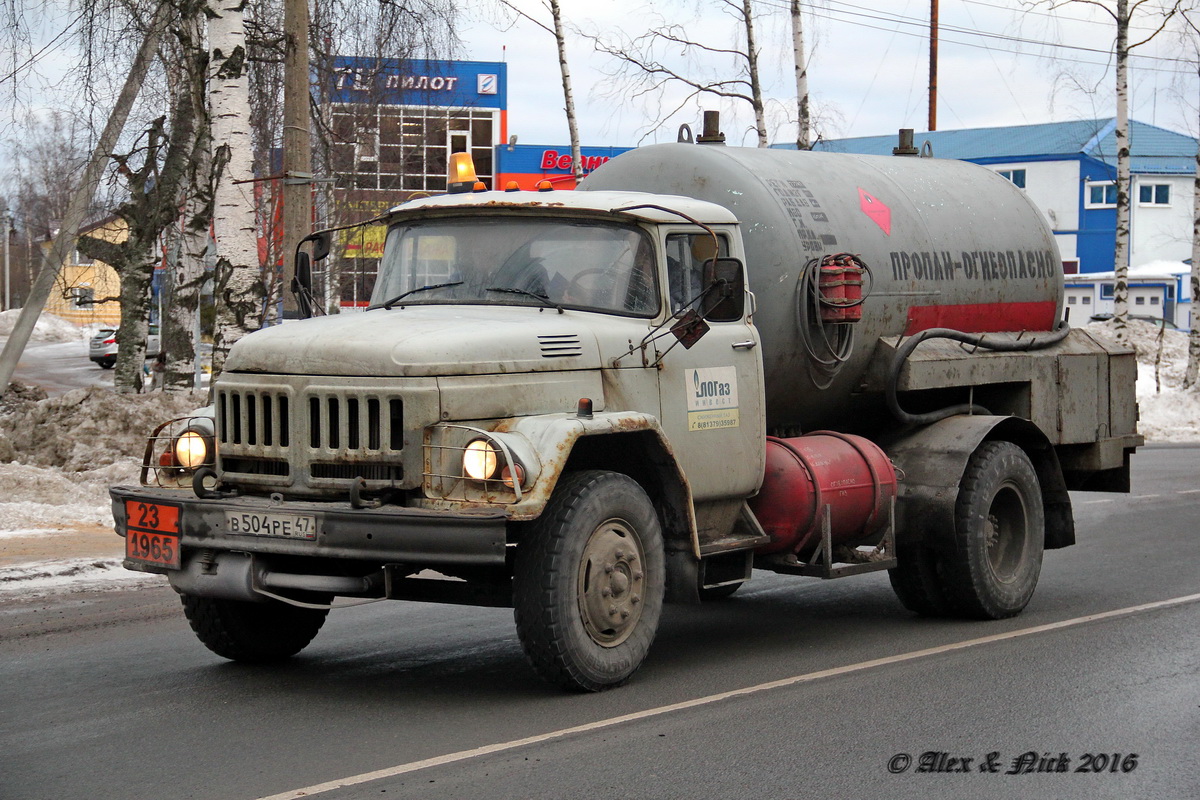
(712,129)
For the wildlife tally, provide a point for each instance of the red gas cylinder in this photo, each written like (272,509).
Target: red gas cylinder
(848,473)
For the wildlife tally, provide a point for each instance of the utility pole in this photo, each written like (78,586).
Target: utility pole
(297,145)
(933,58)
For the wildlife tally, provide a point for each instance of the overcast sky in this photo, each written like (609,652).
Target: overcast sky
(868,68)
(1001,62)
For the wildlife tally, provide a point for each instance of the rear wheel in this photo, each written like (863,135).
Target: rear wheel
(252,632)
(588,584)
(999,534)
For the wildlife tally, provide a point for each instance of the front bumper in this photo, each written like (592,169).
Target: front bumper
(386,535)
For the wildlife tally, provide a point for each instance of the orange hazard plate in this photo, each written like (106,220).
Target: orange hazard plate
(152,533)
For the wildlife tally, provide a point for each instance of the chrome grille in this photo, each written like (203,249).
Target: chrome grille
(316,436)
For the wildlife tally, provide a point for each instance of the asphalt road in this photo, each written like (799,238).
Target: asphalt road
(794,688)
(59,367)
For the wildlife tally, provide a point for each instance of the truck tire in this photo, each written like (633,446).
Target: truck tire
(254,633)
(993,568)
(916,581)
(588,582)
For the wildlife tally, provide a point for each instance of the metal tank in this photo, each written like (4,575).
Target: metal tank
(948,244)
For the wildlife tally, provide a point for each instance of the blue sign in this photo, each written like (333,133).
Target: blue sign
(537,158)
(420,82)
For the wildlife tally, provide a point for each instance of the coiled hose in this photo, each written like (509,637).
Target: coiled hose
(978,340)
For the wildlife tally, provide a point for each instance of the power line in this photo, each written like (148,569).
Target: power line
(838,16)
(921,23)
(832,15)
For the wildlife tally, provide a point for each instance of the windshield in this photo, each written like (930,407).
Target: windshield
(514,261)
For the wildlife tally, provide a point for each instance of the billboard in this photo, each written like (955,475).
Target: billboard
(419,82)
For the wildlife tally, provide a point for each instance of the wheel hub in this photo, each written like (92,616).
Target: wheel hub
(611,583)
(1005,533)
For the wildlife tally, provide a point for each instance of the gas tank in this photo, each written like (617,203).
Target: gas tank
(948,244)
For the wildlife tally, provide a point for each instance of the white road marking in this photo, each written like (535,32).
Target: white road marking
(1145,496)
(500,747)
(1093,502)
(1188,491)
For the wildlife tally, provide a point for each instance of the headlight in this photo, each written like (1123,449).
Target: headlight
(480,460)
(191,450)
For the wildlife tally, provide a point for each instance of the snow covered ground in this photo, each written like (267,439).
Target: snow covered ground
(59,455)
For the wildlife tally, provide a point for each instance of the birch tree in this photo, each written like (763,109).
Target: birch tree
(181,318)
(1191,375)
(238,284)
(801,65)
(645,65)
(564,70)
(1122,13)
(154,173)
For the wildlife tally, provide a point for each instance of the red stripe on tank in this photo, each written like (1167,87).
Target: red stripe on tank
(984,317)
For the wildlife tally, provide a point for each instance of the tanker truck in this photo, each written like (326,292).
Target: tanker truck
(582,405)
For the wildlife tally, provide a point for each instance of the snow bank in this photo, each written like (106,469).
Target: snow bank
(48,328)
(1168,412)
(38,578)
(85,429)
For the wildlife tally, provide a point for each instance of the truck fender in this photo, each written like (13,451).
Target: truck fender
(628,442)
(933,458)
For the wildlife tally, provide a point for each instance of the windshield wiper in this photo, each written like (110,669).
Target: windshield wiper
(400,297)
(540,297)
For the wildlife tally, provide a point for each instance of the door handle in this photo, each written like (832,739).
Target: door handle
(749,344)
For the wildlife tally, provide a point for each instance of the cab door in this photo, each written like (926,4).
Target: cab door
(711,394)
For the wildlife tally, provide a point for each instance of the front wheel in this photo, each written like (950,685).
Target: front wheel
(588,582)
(252,632)
(999,534)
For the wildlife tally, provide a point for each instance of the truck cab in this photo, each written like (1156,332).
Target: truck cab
(516,343)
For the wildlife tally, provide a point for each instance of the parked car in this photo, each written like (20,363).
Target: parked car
(103,347)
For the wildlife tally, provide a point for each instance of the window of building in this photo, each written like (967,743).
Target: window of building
(405,148)
(1101,195)
(1087,301)
(1154,194)
(1106,291)
(1139,301)
(1154,300)
(1017,176)
(1071,300)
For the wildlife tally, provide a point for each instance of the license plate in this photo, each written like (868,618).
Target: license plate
(280,524)
(152,533)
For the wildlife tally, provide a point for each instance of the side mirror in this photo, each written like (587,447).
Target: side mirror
(322,242)
(724,290)
(302,282)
